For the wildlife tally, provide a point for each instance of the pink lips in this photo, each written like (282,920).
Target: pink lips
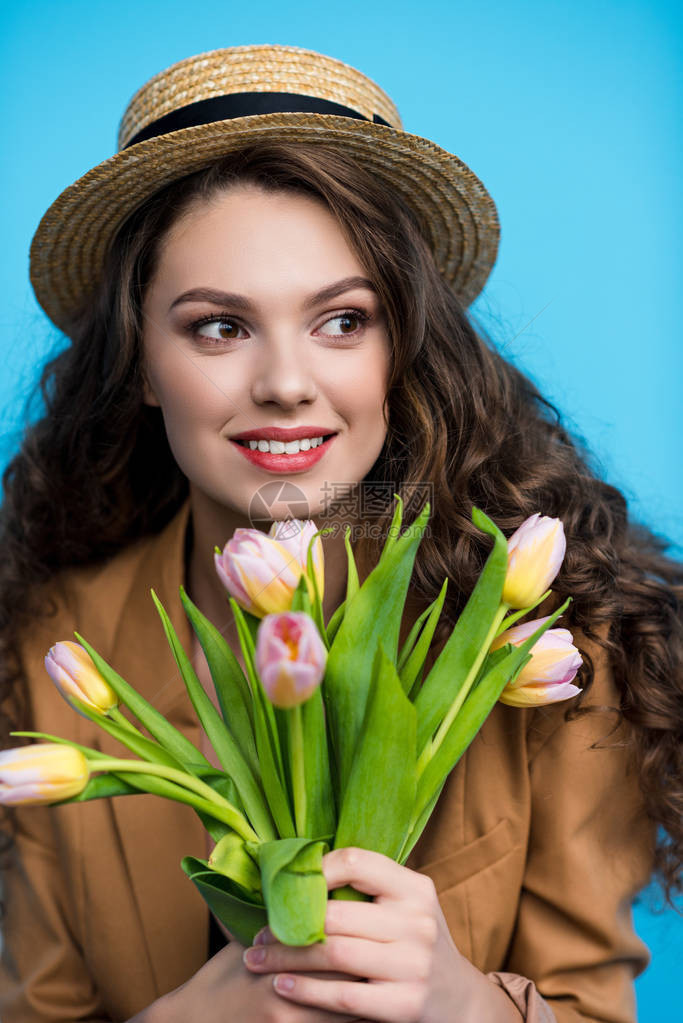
(286,463)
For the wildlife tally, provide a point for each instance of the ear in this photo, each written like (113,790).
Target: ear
(148,395)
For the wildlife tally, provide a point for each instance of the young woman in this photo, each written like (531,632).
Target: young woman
(270,255)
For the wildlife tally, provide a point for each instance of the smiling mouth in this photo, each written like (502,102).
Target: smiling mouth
(253,445)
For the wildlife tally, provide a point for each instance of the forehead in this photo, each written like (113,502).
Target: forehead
(247,231)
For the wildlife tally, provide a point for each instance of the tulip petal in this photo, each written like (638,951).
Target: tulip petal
(75,676)
(41,774)
(290,657)
(539,695)
(258,572)
(547,676)
(535,553)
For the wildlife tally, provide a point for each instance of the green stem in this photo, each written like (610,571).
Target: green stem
(431,746)
(510,621)
(221,808)
(296,745)
(115,715)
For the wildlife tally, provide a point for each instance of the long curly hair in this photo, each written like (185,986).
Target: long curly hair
(96,473)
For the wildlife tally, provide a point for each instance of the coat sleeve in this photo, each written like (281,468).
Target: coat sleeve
(590,851)
(43,975)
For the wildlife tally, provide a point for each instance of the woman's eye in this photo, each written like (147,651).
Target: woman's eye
(219,329)
(346,323)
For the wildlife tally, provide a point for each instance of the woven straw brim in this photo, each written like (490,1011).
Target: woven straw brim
(458,216)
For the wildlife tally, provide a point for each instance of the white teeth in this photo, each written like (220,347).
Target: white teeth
(278,447)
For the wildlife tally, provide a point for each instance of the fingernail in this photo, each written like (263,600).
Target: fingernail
(254,956)
(284,983)
(260,938)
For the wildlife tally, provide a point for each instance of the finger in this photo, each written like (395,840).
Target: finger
(350,955)
(388,1003)
(374,874)
(375,921)
(372,920)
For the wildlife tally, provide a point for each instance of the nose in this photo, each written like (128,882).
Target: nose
(282,377)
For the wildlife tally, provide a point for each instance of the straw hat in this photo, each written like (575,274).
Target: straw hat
(212,104)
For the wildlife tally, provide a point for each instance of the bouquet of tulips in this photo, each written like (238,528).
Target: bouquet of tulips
(332,736)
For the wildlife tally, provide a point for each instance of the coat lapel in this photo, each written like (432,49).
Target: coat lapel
(156,833)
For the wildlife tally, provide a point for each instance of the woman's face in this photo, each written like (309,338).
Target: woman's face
(260,316)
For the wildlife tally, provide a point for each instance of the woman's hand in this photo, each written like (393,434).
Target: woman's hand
(224,991)
(399,943)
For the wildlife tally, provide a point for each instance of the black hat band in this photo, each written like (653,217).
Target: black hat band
(244,104)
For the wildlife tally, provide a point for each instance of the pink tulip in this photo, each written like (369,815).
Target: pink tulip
(258,571)
(547,677)
(296,535)
(290,657)
(73,671)
(41,774)
(535,553)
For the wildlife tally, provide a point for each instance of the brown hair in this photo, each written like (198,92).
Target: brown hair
(461,417)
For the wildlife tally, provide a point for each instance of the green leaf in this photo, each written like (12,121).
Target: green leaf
(139,744)
(155,723)
(351,570)
(232,688)
(419,826)
(411,639)
(231,858)
(452,666)
(227,750)
(374,613)
(473,713)
(265,724)
(300,598)
(379,798)
(225,787)
(412,666)
(262,706)
(90,754)
(169,790)
(493,658)
(394,528)
(334,623)
(317,609)
(223,784)
(243,917)
(320,802)
(103,786)
(274,780)
(294,889)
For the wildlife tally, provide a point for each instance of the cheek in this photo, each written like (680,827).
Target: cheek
(184,390)
(359,387)
(195,403)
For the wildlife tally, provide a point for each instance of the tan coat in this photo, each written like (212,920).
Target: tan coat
(536,847)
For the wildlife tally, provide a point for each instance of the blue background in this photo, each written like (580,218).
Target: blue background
(571,115)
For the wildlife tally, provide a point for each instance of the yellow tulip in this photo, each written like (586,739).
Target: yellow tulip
(535,553)
(548,676)
(259,572)
(73,671)
(40,774)
(296,536)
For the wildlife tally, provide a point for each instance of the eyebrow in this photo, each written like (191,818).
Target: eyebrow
(242,303)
